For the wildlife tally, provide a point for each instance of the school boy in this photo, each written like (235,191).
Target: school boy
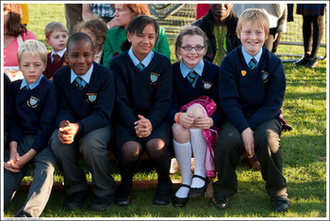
(56,37)
(251,95)
(35,107)
(86,96)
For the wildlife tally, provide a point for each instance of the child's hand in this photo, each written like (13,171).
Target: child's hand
(67,131)
(11,165)
(203,122)
(185,120)
(248,141)
(143,127)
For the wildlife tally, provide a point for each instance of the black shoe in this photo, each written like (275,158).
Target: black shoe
(220,203)
(280,204)
(101,203)
(123,201)
(180,202)
(76,200)
(312,63)
(163,195)
(196,192)
(302,61)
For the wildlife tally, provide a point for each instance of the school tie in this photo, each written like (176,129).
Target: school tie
(252,64)
(192,78)
(56,57)
(140,66)
(27,88)
(78,82)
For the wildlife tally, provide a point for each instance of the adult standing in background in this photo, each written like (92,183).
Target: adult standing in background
(73,15)
(25,14)
(312,32)
(104,11)
(219,25)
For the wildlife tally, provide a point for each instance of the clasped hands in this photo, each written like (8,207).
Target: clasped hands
(188,121)
(143,127)
(67,131)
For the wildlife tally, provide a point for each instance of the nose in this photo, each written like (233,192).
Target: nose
(116,13)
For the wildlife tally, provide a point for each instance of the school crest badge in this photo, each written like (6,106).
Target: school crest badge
(264,76)
(207,85)
(154,78)
(243,73)
(91,98)
(33,102)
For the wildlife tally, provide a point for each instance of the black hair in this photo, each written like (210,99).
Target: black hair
(79,36)
(139,22)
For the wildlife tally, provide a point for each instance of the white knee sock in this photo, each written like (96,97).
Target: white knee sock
(199,145)
(183,156)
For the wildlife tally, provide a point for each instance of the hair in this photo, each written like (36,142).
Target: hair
(14,24)
(136,26)
(254,15)
(137,9)
(34,48)
(79,36)
(188,30)
(97,26)
(54,26)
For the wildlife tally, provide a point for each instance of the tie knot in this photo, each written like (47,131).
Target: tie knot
(78,82)
(253,64)
(56,57)
(27,87)
(140,66)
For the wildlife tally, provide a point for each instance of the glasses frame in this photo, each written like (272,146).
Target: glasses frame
(192,47)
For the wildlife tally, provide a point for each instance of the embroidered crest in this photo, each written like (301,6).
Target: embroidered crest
(243,73)
(33,102)
(64,64)
(91,98)
(154,77)
(207,85)
(264,76)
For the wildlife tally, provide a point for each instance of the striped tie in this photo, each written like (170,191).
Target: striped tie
(27,88)
(140,66)
(56,57)
(78,83)
(253,64)
(192,78)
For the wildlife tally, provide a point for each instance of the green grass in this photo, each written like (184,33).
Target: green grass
(305,155)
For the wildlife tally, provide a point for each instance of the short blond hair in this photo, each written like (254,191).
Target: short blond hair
(33,48)
(254,15)
(54,26)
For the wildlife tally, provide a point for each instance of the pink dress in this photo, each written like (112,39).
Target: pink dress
(10,53)
(210,135)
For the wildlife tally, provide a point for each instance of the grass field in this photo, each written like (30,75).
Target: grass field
(305,156)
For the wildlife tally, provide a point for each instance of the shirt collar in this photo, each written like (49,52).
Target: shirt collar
(86,77)
(198,68)
(60,53)
(248,57)
(146,61)
(31,86)
(98,57)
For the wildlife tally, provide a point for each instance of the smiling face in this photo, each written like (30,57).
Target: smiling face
(31,67)
(80,56)
(252,37)
(123,15)
(191,58)
(57,40)
(143,43)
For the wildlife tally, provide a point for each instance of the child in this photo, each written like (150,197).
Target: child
(193,111)
(96,29)
(56,37)
(143,96)
(35,106)
(86,96)
(251,95)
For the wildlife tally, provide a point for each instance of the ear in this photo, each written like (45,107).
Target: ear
(100,41)
(66,56)
(47,40)
(129,37)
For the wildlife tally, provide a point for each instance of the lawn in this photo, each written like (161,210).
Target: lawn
(305,155)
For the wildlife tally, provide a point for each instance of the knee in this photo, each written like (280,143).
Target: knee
(180,134)
(93,146)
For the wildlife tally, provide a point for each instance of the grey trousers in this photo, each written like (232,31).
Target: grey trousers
(94,147)
(229,148)
(43,170)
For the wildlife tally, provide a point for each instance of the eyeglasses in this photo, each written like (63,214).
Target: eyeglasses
(189,48)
